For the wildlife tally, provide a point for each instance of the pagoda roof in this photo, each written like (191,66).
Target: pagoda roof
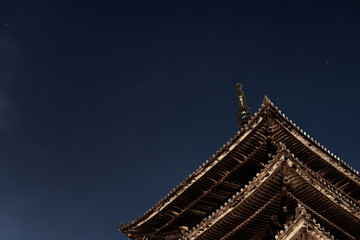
(227,171)
(253,206)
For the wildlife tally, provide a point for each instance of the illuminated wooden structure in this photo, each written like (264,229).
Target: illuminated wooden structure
(270,181)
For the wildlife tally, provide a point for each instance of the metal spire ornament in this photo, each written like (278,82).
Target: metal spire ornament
(244,112)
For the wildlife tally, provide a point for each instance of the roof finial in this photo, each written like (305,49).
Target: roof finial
(244,112)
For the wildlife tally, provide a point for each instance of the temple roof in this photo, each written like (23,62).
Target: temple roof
(231,168)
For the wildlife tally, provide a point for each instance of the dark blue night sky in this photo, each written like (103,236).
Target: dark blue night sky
(105,106)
